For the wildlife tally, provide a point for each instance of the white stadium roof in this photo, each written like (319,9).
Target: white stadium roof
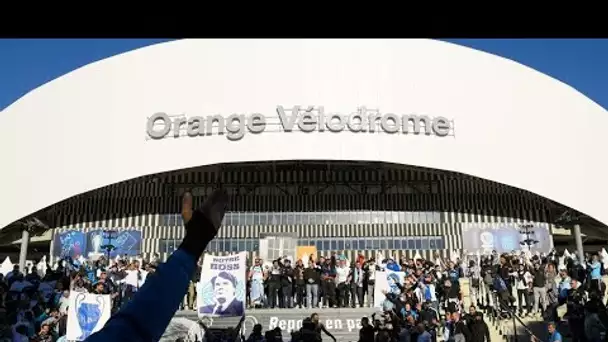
(510,124)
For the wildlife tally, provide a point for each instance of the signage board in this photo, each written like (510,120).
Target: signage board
(344,323)
(505,237)
(304,119)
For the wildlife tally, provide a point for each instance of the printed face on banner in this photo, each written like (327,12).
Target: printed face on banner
(221,291)
(387,281)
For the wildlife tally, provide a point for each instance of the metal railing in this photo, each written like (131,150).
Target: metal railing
(501,315)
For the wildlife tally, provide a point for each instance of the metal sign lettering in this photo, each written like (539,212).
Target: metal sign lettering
(303,119)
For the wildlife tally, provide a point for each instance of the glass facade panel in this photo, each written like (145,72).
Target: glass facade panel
(362,244)
(349,245)
(375,244)
(319,245)
(411,244)
(324,244)
(383,244)
(291,218)
(425,242)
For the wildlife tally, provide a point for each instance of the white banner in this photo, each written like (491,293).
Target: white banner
(87,313)
(221,291)
(386,281)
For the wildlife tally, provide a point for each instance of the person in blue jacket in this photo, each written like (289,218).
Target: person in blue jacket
(148,314)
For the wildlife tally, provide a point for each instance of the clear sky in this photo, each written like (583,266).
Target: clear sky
(27,64)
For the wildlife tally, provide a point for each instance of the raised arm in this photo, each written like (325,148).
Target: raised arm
(147,316)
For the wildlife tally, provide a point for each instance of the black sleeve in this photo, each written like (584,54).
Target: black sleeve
(486,332)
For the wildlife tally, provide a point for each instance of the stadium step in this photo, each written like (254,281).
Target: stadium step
(344,324)
(497,331)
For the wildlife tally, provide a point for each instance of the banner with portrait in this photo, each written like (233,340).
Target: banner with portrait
(506,237)
(387,280)
(69,244)
(221,291)
(123,241)
(87,313)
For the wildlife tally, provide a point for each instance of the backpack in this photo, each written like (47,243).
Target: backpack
(499,284)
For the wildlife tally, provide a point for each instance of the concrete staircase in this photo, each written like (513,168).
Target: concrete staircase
(497,331)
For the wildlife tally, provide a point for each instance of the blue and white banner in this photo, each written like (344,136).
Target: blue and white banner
(387,281)
(87,313)
(221,291)
(69,244)
(124,241)
(505,237)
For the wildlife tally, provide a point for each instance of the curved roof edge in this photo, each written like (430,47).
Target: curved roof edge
(531,124)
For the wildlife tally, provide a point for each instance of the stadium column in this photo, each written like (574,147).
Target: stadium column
(579,243)
(25,241)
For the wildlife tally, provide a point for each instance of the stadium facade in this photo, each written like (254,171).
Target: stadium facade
(403,146)
(353,207)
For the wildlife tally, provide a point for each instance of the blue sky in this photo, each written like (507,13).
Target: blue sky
(28,63)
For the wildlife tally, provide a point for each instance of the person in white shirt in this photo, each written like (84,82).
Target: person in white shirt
(524,281)
(133,281)
(343,283)
(370,272)
(64,302)
(257,276)
(356,288)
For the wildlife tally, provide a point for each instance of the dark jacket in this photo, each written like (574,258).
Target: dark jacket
(287,275)
(539,278)
(461,328)
(367,334)
(479,331)
(312,273)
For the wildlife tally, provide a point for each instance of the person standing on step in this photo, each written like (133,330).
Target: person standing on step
(539,288)
(287,280)
(370,278)
(274,284)
(300,284)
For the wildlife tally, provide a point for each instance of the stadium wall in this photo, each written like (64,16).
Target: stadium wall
(465,111)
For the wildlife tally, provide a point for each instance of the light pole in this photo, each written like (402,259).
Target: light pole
(527,230)
(109,247)
(572,220)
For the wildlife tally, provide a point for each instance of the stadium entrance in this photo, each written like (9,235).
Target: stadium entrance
(346,207)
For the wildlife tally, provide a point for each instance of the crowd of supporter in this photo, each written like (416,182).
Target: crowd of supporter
(34,302)
(427,306)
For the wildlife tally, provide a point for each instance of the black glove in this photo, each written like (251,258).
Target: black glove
(203,223)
